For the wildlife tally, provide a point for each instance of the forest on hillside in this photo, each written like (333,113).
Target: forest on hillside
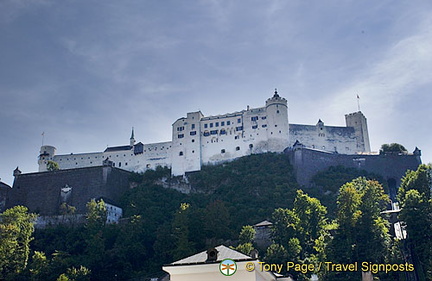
(339,221)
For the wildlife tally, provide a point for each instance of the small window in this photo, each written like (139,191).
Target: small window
(223,132)
(222,151)
(277,111)
(119,164)
(217,124)
(264,117)
(213,132)
(193,151)
(223,123)
(193,140)
(211,125)
(239,128)
(193,133)
(206,133)
(236,137)
(228,123)
(254,118)
(180,136)
(264,126)
(193,126)
(205,126)
(250,146)
(239,120)
(238,148)
(181,153)
(179,129)
(254,126)
(148,166)
(126,164)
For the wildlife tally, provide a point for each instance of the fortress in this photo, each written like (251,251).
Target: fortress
(201,140)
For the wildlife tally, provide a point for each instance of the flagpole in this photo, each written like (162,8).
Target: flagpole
(43,136)
(358,102)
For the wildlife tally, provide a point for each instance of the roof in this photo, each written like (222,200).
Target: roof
(223,253)
(4,185)
(118,148)
(263,223)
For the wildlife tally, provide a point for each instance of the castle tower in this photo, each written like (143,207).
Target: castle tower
(358,121)
(47,153)
(277,123)
(186,144)
(132,138)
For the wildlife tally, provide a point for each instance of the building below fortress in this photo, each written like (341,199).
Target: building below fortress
(201,140)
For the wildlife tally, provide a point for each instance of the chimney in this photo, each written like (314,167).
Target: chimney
(212,255)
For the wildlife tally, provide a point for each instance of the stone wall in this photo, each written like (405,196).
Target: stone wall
(44,192)
(307,162)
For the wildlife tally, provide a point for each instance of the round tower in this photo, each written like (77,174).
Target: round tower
(277,123)
(47,153)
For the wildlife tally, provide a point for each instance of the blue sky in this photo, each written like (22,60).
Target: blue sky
(85,72)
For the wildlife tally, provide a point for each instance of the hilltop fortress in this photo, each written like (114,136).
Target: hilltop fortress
(201,140)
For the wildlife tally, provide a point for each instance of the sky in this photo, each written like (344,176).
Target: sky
(85,72)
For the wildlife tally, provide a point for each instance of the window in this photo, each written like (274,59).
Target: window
(223,132)
(193,133)
(217,124)
(236,137)
(239,120)
(238,148)
(239,128)
(180,136)
(211,125)
(193,126)
(193,140)
(277,111)
(181,153)
(254,126)
(264,117)
(119,164)
(250,146)
(264,126)
(228,123)
(254,118)
(213,132)
(205,126)
(222,151)
(179,129)
(206,133)
(223,123)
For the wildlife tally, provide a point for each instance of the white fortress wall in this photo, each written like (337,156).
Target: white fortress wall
(333,139)
(71,161)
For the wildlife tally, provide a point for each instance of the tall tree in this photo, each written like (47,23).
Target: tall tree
(180,225)
(362,234)
(416,212)
(16,229)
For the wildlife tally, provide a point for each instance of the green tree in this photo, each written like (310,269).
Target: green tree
(393,148)
(362,234)
(415,199)
(75,274)
(246,237)
(52,166)
(16,229)
(95,241)
(247,234)
(312,221)
(184,246)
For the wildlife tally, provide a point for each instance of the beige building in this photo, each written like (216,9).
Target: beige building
(209,265)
